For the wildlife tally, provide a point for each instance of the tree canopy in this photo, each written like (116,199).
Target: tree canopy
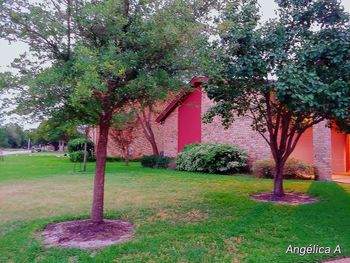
(286,74)
(54,130)
(92,56)
(12,136)
(89,58)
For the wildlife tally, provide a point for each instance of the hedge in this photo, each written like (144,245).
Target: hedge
(155,161)
(294,169)
(76,150)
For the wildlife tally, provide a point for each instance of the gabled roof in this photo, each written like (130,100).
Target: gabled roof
(179,99)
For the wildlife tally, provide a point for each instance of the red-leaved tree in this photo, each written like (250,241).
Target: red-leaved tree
(124,133)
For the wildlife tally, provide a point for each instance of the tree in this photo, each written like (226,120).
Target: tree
(286,74)
(14,136)
(147,107)
(3,138)
(84,130)
(144,116)
(90,58)
(55,131)
(124,132)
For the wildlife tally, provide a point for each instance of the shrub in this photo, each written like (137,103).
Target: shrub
(76,150)
(163,162)
(155,161)
(78,145)
(121,159)
(149,161)
(293,169)
(212,158)
(114,159)
(78,157)
(138,159)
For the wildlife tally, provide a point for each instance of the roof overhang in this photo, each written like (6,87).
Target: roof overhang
(179,98)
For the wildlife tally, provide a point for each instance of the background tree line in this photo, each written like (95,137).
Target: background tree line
(12,136)
(49,132)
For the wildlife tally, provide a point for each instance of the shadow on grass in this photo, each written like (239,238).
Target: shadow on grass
(325,223)
(269,229)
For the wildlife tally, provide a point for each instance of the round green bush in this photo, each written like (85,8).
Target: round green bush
(212,158)
(293,169)
(76,150)
(78,157)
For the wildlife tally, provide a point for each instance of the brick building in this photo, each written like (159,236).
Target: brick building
(140,145)
(180,123)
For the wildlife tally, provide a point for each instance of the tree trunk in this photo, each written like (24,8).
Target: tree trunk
(154,147)
(278,191)
(146,125)
(61,145)
(151,136)
(126,155)
(85,156)
(101,153)
(126,159)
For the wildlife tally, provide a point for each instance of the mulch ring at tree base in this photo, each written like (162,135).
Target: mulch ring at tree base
(289,198)
(85,234)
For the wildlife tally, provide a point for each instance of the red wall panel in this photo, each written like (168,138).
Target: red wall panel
(189,119)
(338,151)
(304,150)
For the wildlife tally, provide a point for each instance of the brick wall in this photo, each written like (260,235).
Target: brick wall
(140,145)
(138,148)
(170,132)
(240,133)
(323,150)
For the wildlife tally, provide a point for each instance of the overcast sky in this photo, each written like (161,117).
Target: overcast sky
(9,52)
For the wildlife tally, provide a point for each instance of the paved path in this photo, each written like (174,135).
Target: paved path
(341,179)
(342,260)
(14,152)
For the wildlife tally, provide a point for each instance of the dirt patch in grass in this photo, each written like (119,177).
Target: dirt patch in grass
(290,198)
(193,216)
(85,234)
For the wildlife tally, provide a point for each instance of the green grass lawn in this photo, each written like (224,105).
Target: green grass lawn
(179,217)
